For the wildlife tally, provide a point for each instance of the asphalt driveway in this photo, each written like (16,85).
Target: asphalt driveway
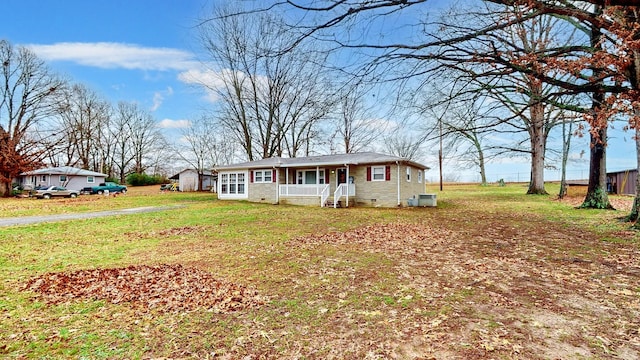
(27,220)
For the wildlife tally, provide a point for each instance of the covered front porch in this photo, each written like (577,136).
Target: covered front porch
(322,186)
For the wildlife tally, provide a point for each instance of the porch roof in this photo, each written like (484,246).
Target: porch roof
(365,158)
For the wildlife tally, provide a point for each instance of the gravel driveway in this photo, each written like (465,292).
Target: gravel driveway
(26,220)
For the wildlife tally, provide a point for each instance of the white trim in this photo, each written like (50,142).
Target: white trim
(398,182)
(373,173)
(263,176)
(225,179)
(301,175)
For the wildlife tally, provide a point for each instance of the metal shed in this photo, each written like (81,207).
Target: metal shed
(622,182)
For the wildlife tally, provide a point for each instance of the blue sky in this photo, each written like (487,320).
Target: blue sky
(125,50)
(140,50)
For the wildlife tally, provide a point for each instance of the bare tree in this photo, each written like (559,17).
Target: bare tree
(199,145)
(146,139)
(465,127)
(403,143)
(271,99)
(28,94)
(136,136)
(355,127)
(83,114)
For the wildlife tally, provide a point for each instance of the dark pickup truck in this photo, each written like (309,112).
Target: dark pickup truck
(111,187)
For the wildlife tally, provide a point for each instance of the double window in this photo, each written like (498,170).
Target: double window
(263,176)
(378,173)
(232,183)
(311,177)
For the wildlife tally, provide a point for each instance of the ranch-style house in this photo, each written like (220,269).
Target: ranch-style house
(358,179)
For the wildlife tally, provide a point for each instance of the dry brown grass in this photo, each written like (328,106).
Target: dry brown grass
(489,274)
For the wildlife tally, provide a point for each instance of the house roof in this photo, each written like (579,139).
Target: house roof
(622,171)
(203,173)
(365,158)
(63,170)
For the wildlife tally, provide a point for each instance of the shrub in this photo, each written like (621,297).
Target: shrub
(144,179)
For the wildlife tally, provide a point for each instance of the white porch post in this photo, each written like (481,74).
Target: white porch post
(286,176)
(277,186)
(398,180)
(347,202)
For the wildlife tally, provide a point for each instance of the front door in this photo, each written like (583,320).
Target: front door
(342,176)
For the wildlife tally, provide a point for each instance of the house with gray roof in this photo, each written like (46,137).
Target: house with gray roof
(67,176)
(359,179)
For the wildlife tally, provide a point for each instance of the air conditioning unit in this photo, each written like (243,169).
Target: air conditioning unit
(427,200)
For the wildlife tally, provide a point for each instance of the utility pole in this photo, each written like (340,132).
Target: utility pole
(440,153)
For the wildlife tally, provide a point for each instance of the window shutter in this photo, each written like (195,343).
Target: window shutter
(326,176)
(368,173)
(273,175)
(251,176)
(387,172)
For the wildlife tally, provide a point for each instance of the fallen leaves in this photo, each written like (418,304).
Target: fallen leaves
(165,288)
(390,237)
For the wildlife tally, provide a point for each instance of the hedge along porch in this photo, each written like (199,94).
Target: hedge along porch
(360,179)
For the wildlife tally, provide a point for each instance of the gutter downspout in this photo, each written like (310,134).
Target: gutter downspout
(398,180)
(277,185)
(347,202)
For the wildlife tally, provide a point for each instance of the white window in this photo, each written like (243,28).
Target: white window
(44,178)
(309,177)
(63,178)
(91,179)
(420,176)
(377,173)
(408,174)
(232,183)
(263,176)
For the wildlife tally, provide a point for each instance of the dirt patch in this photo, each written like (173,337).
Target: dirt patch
(175,231)
(623,203)
(512,288)
(165,288)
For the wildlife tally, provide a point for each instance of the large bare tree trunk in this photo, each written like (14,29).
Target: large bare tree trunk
(538,140)
(597,190)
(597,197)
(633,216)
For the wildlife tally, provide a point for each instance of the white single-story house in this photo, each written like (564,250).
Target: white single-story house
(67,176)
(358,179)
(191,180)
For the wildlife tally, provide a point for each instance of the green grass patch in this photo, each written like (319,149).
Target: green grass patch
(324,299)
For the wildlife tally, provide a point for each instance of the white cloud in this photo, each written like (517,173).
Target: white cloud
(158,97)
(116,55)
(210,80)
(214,81)
(174,124)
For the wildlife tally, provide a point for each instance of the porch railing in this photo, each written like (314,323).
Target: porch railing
(345,190)
(302,190)
(324,196)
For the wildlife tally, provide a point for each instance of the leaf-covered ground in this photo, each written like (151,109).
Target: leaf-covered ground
(165,288)
(498,291)
(471,279)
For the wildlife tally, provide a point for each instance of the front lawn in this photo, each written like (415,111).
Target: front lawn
(489,273)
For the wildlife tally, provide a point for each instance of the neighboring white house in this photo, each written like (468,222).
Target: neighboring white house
(67,176)
(190,180)
(360,179)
